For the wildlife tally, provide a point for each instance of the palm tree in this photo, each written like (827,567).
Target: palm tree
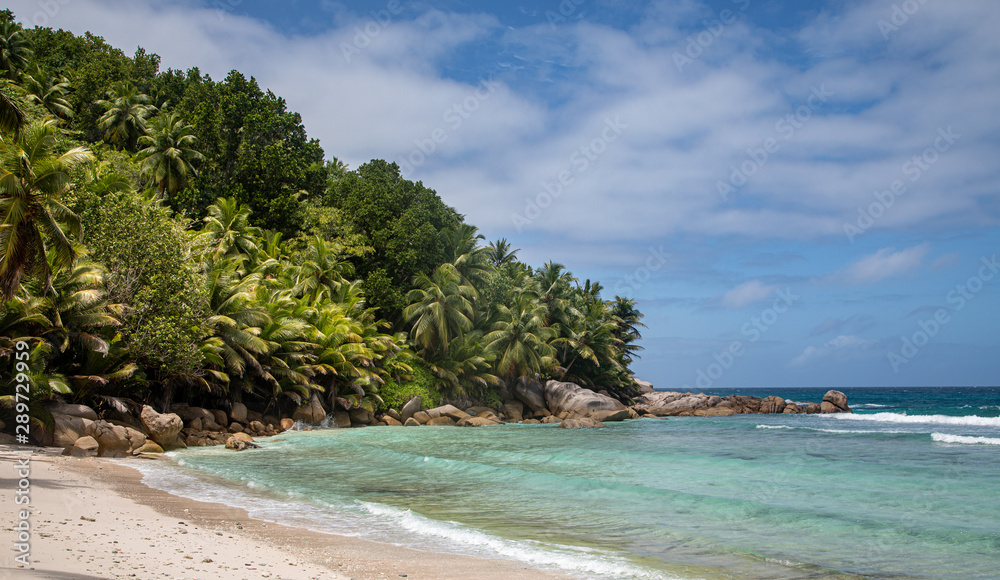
(440,308)
(33,176)
(49,92)
(227,229)
(322,271)
(592,340)
(14,51)
(499,253)
(555,286)
(168,157)
(11,116)
(627,320)
(520,339)
(125,114)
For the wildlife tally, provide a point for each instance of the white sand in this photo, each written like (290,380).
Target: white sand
(93,518)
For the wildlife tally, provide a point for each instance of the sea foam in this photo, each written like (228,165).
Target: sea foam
(974,420)
(964,440)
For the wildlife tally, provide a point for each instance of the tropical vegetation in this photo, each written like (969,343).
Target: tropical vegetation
(168,237)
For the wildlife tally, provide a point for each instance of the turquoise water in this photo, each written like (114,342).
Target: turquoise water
(906,488)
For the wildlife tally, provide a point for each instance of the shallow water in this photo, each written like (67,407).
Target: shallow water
(906,488)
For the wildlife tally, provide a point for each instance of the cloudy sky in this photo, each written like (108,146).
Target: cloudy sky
(798,193)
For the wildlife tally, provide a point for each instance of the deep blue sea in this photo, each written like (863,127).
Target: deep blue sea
(908,487)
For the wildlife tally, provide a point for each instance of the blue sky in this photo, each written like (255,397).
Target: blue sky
(797,193)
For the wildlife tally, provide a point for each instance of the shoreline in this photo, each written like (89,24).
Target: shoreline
(110,524)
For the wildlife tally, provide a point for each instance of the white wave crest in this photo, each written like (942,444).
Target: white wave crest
(565,557)
(933,419)
(774,427)
(964,440)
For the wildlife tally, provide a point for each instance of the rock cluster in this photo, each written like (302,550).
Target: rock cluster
(79,431)
(672,403)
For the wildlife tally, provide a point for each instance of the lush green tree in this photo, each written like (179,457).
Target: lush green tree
(147,253)
(227,229)
(521,338)
(12,118)
(440,309)
(168,157)
(401,220)
(34,175)
(500,254)
(14,49)
(126,111)
(49,92)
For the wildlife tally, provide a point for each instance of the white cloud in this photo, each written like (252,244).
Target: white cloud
(883,264)
(747,293)
(687,129)
(844,346)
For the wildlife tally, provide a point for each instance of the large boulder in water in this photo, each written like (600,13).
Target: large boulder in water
(531,393)
(644,387)
(835,402)
(573,400)
(310,413)
(772,405)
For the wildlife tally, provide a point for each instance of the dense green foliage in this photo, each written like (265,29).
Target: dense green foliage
(170,237)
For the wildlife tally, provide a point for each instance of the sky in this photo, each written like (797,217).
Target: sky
(797,193)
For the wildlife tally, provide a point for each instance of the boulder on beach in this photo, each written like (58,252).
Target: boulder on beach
(442,421)
(643,386)
(311,412)
(66,429)
(221,419)
(772,405)
(361,416)
(342,419)
(514,411)
(113,440)
(611,416)
(72,410)
(411,422)
(237,444)
(793,409)
(238,413)
(287,424)
(531,393)
(148,447)
(715,412)
(421,417)
(450,411)
(395,415)
(476,422)
(390,421)
(583,423)
(162,428)
(835,402)
(85,446)
(411,408)
(574,400)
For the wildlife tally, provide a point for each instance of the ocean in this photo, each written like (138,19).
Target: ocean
(907,487)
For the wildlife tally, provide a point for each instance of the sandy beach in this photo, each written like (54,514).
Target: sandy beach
(94,518)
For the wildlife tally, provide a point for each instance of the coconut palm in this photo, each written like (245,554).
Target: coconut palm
(521,338)
(593,339)
(11,116)
(554,289)
(440,308)
(125,114)
(227,229)
(168,157)
(499,253)
(49,92)
(14,51)
(322,271)
(33,176)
